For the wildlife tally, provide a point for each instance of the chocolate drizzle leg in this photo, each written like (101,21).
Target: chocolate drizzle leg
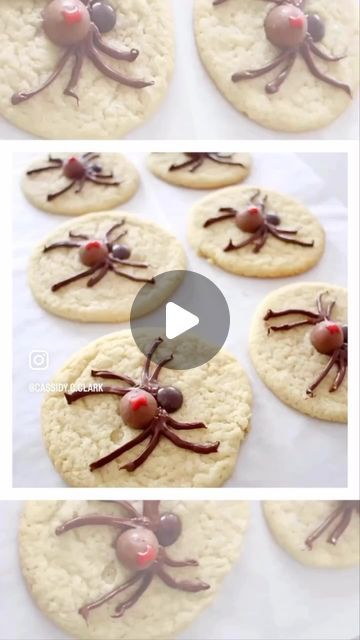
(196,160)
(256,221)
(101,256)
(78,170)
(295,32)
(77,28)
(140,543)
(327,336)
(146,406)
(340,517)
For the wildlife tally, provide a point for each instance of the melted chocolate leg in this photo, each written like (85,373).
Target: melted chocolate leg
(128,56)
(342,526)
(106,183)
(231,214)
(259,243)
(75,75)
(232,247)
(85,610)
(156,344)
(99,276)
(324,525)
(302,312)
(122,274)
(306,54)
(79,236)
(342,369)
(21,96)
(184,426)
(58,165)
(218,160)
(183,165)
(152,444)
(212,447)
(290,325)
(52,196)
(83,274)
(147,577)
(151,510)
(97,519)
(112,74)
(169,562)
(256,73)
(65,243)
(310,390)
(182,585)
(120,450)
(161,364)
(274,86)
(277,234)
(115,226)
(322,54)
(109,375)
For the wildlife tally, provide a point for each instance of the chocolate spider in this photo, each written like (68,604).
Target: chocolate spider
(146,406)
(100,255)
(78,170)
(295,32)
(328,337)
(140,545)
(256,221)
(341,516)
(196,160)
(76,26)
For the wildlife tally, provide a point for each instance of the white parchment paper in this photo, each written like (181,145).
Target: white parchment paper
(194,109)
(267,595)
(284,448)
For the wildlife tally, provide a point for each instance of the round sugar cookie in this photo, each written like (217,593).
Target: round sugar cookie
(276,258)
(81,565)
(153,250)
(78,434)
(231,39)
(97,193)
(95,106)
(200,170)
(292,522)
(287,361)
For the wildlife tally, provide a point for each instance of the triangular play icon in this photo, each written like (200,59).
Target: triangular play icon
(178,320)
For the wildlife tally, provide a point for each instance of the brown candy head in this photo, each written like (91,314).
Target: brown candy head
(66,22)
(327,336)
(93,252)
(250,219)
(74,169)
(316,27)
(103,15)
(169,529)
(286,26)
(170,398)
(138,408)
(121,251)
(137,549)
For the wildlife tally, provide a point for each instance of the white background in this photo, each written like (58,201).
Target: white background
(267,595)
(284,448)
(194,109)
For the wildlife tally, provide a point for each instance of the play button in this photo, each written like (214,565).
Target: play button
(178,320)
(188,311)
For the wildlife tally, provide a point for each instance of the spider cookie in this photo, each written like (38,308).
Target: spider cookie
(91,269)
(289,65)
(128,571)
(127,422)
(317,533)
(75,184)
(84,68)
(256,232)
(298,344)
(200,170)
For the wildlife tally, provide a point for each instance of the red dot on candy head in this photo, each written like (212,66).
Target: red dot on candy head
(296,21)
(72,160)
(253,211)
(138,401)
(333,328)
(72,15)
(145,557)
(93,244)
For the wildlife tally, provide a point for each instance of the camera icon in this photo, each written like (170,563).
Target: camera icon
(38,360)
